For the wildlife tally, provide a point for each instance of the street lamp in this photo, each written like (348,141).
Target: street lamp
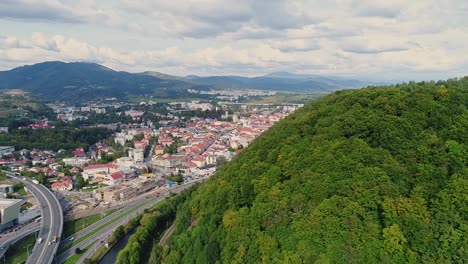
(27,249)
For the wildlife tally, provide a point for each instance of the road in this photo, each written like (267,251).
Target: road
(8,240)
(51,223)
(101,236)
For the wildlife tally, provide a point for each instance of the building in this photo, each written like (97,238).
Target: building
(168,161)
(76,161)
(3,129)
(79,153)
(116,193)
(158,150)
(6,150)
(66,185)
(146,186)
(9,210)
(199,161)
(138,155)
(114,178)
(4,189)
(120,140)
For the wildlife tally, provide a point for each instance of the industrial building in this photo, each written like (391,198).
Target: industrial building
(9,210)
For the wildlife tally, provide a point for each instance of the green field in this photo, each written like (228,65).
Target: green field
(17,253)
(73,226)
(16,103)
(288,98)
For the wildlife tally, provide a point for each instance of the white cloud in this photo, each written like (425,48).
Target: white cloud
(396,39)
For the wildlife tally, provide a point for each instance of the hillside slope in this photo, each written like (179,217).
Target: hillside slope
(80,81)
(280,82)
(376,175)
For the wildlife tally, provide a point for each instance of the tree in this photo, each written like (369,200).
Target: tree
(80,182)
(220,160)
(2,176)
(119,233)
(18,186)
(41,178)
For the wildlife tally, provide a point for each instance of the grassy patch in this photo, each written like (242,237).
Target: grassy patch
(25,206)
(74,259)
(88,189)
(281,98)
(73,226)
(17,253)
(22,192)
(72,197)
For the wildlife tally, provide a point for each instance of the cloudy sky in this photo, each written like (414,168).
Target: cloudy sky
(369,39)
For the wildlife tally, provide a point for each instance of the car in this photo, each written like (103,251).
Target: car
(2,248)
(71,238)
(49,243)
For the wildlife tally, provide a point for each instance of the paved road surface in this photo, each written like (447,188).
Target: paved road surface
(51,223)
(9,239)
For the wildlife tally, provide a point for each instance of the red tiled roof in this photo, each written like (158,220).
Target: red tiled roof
(191,164)
(101,166)
(117,175)
(198,158)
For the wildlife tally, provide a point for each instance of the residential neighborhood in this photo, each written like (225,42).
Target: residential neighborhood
(153,146)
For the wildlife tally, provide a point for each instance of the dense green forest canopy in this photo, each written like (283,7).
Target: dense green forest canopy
(377,175)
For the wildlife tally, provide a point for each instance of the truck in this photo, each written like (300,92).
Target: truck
(39,240)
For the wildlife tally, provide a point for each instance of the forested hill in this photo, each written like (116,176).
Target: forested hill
(377,175)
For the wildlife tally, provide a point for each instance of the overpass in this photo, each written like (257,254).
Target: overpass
(51,224)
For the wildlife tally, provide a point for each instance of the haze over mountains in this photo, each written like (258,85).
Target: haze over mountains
(83,81)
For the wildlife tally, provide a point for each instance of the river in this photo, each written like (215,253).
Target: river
(111,255)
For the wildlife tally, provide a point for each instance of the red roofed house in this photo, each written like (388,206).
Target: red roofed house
(66,185)
(79,153)
(158,150)
(115,178)
(199,161)
(99,168)
(140,144)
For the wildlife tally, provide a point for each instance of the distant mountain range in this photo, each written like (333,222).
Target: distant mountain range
(81,81)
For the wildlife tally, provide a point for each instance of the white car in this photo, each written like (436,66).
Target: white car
(71,238)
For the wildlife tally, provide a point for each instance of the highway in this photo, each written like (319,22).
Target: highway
(51,223)
(8,240)
(101,236)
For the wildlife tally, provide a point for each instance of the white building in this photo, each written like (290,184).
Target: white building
(138,155)
(76,161)
(120,140)
(6,150)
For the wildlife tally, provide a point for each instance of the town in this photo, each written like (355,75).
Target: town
(152,147)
